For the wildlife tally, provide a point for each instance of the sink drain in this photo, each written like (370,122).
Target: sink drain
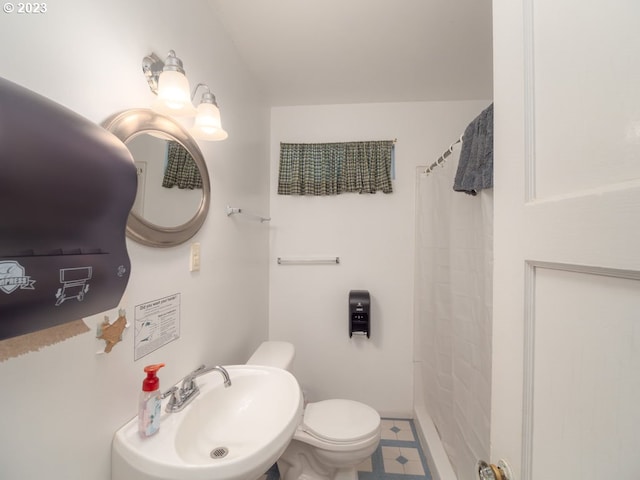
(219,452)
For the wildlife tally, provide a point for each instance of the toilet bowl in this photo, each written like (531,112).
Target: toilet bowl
(333,436)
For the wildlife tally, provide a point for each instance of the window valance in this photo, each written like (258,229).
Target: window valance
(335,168)
(181,168)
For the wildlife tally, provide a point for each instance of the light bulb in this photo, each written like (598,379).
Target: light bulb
(173,94)
(208,125)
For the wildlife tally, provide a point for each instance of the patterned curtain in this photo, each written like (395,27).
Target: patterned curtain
(181,168)
(334,168)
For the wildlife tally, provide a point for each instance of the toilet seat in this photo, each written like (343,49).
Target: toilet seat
(340,421)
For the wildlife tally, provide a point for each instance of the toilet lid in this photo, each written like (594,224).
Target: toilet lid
(340,420)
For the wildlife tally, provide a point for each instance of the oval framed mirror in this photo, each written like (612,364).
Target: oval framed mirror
(162,216)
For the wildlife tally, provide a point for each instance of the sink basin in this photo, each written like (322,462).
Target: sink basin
(233,433)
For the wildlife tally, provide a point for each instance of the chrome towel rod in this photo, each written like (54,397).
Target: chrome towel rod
(233,210)
(309,261)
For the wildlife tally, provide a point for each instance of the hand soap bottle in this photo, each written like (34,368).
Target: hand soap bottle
(149,409)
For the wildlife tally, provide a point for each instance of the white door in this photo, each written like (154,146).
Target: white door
(566,338)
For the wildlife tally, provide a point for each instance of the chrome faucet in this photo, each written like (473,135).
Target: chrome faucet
(181,397)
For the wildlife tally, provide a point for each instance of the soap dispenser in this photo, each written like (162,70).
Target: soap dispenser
(150,409)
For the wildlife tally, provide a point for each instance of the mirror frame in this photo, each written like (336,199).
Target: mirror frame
(130,123)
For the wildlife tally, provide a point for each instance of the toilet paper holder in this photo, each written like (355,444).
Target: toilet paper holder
(359,313)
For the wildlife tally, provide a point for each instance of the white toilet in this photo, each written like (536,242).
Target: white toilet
(333,437)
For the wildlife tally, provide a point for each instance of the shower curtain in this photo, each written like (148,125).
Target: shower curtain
(454,245)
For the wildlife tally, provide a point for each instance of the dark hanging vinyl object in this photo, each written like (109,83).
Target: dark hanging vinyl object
(66,189)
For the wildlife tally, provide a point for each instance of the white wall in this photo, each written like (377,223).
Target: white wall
(374,237)
(61,405)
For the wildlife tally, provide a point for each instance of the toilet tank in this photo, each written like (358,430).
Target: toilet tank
(273,354)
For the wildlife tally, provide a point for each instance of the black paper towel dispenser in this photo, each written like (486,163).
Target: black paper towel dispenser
(66,189)
(359,313)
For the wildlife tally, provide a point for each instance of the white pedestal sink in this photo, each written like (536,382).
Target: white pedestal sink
(233,433)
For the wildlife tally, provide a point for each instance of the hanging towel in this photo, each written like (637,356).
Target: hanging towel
(475,168)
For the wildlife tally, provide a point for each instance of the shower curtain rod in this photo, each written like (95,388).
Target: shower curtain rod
(443,157)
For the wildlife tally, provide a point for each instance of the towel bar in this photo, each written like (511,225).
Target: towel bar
(309,261)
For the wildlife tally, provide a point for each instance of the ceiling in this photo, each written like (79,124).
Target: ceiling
(312,52)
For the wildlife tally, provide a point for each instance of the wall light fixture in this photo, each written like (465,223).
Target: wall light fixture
(169,82)
(208,125)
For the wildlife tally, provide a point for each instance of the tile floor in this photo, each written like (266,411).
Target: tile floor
(398,457)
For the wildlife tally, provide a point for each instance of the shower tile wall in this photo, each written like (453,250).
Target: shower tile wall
(453,319)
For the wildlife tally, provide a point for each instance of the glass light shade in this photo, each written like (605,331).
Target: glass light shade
(173,94)
(208,125)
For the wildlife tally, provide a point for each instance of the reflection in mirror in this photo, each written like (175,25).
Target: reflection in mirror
(164,152)
(166,196)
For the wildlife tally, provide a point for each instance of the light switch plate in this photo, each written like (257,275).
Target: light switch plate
(194,258)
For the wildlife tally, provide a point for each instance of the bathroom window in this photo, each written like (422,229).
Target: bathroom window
(335,168)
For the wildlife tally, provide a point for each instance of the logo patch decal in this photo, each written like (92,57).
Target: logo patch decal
(12,277)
